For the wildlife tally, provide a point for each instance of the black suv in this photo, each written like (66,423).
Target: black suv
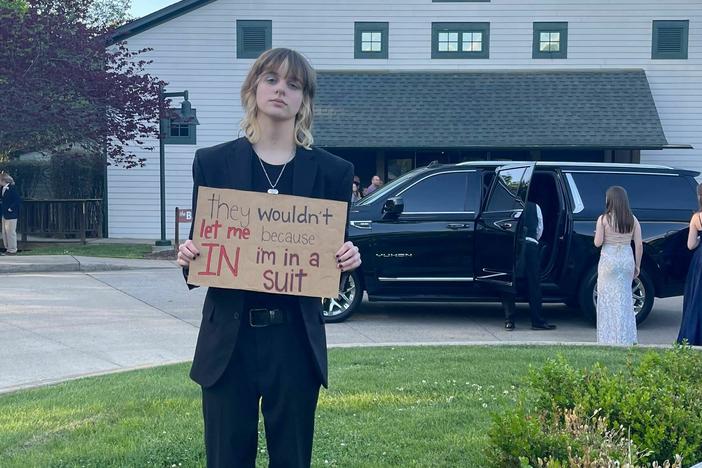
(449,232)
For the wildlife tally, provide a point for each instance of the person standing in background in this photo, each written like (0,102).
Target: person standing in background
(530,265)
(356,192)
(691,324)
(617,268)
(11,201)
(376,183)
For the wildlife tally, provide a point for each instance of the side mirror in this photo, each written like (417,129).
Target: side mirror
(393,207)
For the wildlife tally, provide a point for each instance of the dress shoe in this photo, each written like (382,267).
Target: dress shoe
(509,325)
(543,326)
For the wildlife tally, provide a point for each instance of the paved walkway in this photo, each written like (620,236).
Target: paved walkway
(63,317)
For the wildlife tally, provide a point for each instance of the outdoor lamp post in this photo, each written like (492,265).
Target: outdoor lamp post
(186,117)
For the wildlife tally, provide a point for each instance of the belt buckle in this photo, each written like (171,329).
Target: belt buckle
(268,314)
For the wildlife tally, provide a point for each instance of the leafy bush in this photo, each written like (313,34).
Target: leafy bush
(595,445)
(76,176)
(654,407)
(64,175)
(30,176)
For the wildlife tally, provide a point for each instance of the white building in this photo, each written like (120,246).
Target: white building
(405,82)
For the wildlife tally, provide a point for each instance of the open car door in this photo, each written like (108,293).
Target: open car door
(498,225)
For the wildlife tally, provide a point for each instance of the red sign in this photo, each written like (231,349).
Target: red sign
(185,215)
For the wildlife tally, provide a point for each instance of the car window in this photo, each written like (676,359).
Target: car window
(442,193)
(644,191)
(387,188)
(504,195)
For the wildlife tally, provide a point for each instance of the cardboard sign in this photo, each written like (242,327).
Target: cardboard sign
(278,244)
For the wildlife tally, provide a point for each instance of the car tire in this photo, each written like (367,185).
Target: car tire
(642,288)
(345,304)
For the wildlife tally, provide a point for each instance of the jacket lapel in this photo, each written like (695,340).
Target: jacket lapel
(238,164)
(305,172)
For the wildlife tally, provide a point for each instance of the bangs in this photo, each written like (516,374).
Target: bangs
(288,64)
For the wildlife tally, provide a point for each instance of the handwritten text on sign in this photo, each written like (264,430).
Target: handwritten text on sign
(278,244)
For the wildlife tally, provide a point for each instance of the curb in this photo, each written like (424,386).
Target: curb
(69,263)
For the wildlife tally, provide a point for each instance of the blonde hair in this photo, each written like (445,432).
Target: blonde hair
(293,65)
(5,177)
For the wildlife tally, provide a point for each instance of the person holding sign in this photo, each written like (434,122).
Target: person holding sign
(259,347)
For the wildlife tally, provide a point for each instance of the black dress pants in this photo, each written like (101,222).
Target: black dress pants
(271,366)
(531,275)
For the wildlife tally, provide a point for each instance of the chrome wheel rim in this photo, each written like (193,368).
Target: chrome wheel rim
(347,293)
(638,294)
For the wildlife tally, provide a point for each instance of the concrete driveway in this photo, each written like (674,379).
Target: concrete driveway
(63,325)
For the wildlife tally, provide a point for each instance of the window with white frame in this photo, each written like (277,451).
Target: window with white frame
(550,40)
(371,40)
(460,40)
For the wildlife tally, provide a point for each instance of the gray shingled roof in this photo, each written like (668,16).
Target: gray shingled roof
(434,109)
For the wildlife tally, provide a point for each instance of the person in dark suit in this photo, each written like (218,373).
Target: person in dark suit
(529,269)
(10,202)
(257,348)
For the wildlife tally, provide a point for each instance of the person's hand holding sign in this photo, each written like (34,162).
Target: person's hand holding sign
(348,257)
(186,253)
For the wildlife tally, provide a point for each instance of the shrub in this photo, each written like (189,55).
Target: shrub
(29,175)
(593,444)
(656,402)
(77,176)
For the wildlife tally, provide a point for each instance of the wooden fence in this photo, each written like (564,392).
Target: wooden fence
(63,219)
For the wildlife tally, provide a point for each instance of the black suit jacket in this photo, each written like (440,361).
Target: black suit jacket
(318,174)
(10,202)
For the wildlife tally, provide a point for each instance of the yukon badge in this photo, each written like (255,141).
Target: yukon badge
(394,255)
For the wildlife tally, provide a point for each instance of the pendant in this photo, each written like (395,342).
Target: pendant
(273,191)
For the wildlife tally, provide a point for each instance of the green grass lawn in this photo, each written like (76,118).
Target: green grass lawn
(90,250)
(413,406)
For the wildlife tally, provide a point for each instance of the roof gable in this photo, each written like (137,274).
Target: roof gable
(154,19)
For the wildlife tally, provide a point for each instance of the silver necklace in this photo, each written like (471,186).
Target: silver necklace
(274,190)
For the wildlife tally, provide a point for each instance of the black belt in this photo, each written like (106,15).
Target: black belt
(264,317)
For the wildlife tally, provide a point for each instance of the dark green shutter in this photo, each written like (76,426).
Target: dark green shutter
(253,37)
(670,39)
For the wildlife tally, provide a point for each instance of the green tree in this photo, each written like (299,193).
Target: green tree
(15,5)
(109,13)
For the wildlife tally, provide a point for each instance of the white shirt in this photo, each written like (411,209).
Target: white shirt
(540,226)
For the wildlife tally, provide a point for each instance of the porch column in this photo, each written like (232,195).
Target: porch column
(380,164)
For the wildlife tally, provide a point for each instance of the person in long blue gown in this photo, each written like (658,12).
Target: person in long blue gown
(691,326)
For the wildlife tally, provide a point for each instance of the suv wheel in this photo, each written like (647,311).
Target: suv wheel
(350,295)
(641,290)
